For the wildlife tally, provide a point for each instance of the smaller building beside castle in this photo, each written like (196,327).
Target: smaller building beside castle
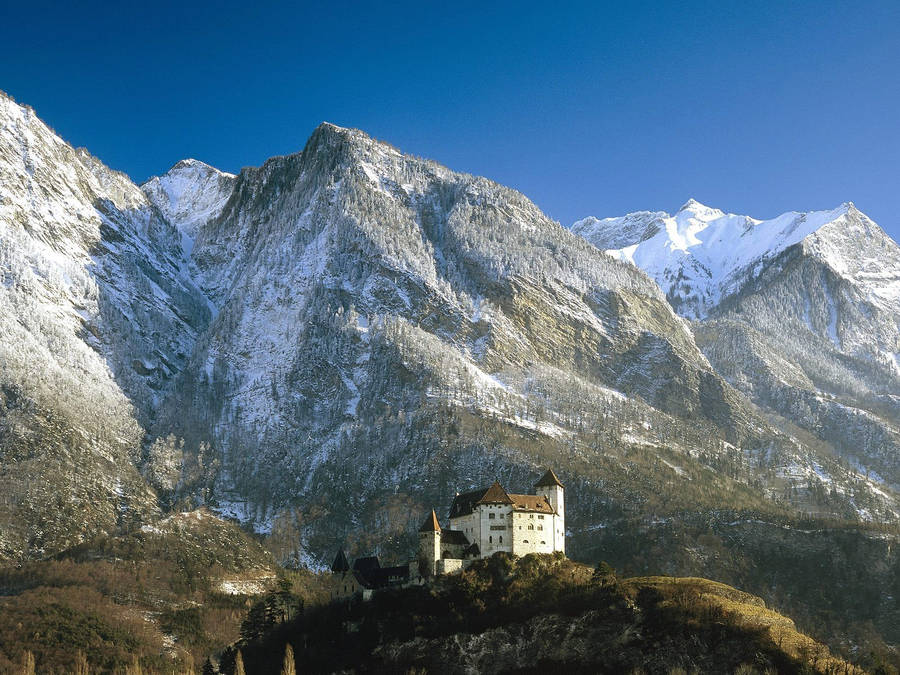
(480,524)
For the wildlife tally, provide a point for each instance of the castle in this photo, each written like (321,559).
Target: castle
(481,523)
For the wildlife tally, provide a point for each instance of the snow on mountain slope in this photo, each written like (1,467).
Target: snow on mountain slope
(96,317)
(190,194)
(352,279)
(369,302)
(336,329)
(819,291)
(700,255)
(616,233)
(863,254)
(84,244)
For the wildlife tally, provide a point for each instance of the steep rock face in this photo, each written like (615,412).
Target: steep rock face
(341,337)
(799,312)
(95,320)
(361,292)
(191,194)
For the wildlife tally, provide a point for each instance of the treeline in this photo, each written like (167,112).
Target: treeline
(612,627)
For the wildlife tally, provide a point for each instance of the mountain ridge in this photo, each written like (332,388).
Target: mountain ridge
(333,342)
(821,305)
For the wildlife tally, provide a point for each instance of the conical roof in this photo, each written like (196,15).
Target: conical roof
(431,523)
(548,480)
(495,495)
(340,564)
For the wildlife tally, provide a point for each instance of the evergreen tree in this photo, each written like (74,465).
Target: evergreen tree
(288,667)
(208,667)
(134,668)
(81,664)
(28,663)
(257,622)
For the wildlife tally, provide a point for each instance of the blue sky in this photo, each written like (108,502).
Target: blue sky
(588,108)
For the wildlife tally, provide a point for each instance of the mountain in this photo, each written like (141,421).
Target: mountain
(97,318)
(349,320)
(799,312)
(360,292)
(328,345)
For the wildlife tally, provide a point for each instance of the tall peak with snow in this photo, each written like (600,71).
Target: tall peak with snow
(693,208)
(700,255)
(190,194)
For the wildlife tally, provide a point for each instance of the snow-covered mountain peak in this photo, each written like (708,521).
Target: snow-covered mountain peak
(190,164)
(350,142)
(189,195)
(334,127)
(694,209)
(701,254)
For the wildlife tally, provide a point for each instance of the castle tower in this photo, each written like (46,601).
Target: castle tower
(429,544)
(550,487)
(339,569)
(340,564)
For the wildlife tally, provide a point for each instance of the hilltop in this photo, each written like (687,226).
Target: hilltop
(539,613)
(166,594)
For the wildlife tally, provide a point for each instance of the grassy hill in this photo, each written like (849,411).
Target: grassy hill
(164,596)
(539,613)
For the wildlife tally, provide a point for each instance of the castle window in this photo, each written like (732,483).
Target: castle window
(501,539)
(531,515)
(531,527)
(490,540)
(543,542)
(540,527)
(524,541)
(491,515)
(540,517)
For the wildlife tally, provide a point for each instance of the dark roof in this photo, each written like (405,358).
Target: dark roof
(366,564)
(473,550)
(340,563)
(431,523)
(454,537)
(535,503)
(495,495)
(549,479)
(383,577)
(465,503)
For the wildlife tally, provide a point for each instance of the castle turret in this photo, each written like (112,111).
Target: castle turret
(342,583)
(550,487)
(340,564)
(429,544)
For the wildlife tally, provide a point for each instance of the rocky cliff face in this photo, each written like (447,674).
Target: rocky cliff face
(342,338)
(97,318)
(360,292)
(799,312)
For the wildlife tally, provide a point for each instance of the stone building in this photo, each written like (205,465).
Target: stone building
(367,576)
(486,521)
(480,524)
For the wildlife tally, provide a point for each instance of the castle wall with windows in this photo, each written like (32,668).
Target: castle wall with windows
(480,524)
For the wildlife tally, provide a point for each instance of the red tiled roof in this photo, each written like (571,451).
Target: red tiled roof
(431,523)
(549,479)
(533,503)
(495,495)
